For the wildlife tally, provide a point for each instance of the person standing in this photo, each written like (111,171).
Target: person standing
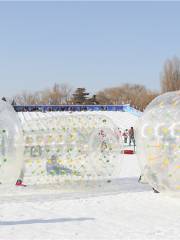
(131,136)
(125,135)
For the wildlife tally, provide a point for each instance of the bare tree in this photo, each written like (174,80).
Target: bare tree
(26,98)
(66,93)
(170,77)
(136,95)
(55,95)
(58,94)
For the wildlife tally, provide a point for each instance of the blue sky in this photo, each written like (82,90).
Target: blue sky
(90,44)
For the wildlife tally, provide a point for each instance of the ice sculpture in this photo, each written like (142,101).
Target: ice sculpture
(71,147)
(11,144)
(158,142)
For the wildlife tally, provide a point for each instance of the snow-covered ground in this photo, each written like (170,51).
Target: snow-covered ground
(122,209)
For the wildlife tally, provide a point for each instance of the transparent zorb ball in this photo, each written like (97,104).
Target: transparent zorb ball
(11,144)
(158,142)
(72,147)
(104,151)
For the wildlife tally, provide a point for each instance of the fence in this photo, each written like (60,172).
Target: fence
(46,108)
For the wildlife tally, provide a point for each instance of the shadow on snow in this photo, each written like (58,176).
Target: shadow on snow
(42,221)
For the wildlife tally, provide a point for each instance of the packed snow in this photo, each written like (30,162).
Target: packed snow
(124,209)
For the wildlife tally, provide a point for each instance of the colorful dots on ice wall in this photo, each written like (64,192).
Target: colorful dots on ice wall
(158,142)
(71,146)
(11,144)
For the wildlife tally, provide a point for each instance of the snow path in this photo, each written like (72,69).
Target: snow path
(122,209)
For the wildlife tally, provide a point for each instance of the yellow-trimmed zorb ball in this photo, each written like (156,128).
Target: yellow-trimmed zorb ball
(158,142)
(72,147)
(11,144)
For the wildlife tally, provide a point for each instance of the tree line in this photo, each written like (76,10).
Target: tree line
(136,95)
